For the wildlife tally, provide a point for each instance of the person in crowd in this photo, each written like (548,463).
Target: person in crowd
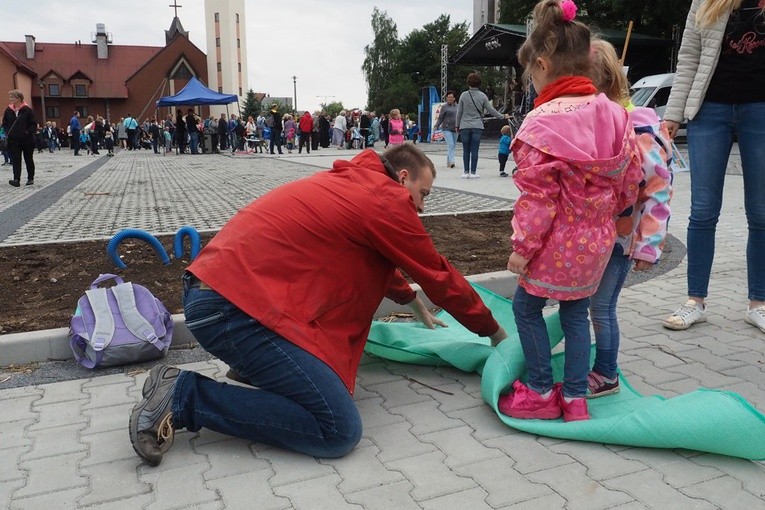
(719,87)
(472,106)
(641,229)
(256,293)
(315,130)
(169,125)
(97,134)
(395,128)
(447,123)
(290,131)
(20,128)
(131,125)
(503,152)
(240,132)
(578,167)
(181,135)
(384,129)
(223,132)
(192,126)
(155,134)
(122,133)
(232,124)
(251,127)
(74,132)
(109,138)
(339,128)
(4,148)
(325,131)
(305,126)
(50,136)
(276,130)
(375,127)
(168,137)
(365,127)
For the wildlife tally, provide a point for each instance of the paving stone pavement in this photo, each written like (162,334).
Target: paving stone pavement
(429,440)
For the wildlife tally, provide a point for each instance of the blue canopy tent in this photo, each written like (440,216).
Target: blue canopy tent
(194,94)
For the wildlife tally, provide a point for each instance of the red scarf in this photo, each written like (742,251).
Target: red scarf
(565,86)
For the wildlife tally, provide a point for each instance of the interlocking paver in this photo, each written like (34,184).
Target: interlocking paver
(430,476)
(396,441)
(460,446)
(292,467)
(363,471)
(579,490)
(472,498)
(504,485)
(12,434)
(529,455)
(63,499)
(320,493)
(107,447)
(180,487)
(49,442)
(385,497)
(243,490)
(676,470)
(40,481)
(112,481)
(601,462)
(725,492)
(229,457)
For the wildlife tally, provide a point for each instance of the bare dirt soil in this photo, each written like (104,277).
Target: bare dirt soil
(40,284)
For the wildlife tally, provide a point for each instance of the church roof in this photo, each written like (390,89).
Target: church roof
(108,76)
(176,28)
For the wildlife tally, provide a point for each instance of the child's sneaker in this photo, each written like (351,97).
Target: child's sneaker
(756,317)
(526,403)
(576,410)
(690,313)
(599,386)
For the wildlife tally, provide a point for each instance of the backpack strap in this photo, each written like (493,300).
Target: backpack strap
(103,331)
(134,321)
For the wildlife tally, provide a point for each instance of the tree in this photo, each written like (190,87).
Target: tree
(380,56)
(251,106)
(333,108)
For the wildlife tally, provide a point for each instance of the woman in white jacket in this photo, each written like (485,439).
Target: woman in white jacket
(719,88)
(339,129)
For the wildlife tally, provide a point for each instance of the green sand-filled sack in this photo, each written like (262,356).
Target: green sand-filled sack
(705,420)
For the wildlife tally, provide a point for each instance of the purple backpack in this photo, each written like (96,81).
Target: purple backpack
(119,325)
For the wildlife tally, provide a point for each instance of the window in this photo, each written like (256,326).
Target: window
(80,91)
(237,44)
(54,89)
(217,42)
(240,67)
(182,73)
(83,111)
(219,66)
(240,91)
(217,17)
(237,18)
(52,112)
(220,90)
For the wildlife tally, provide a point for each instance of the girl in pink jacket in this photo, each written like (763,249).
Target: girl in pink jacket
(577,169)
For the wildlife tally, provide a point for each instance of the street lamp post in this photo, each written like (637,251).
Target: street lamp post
(42,98)
(294,92)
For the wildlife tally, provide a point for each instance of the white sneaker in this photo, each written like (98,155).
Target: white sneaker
(475,176)
(756,317)
(690,313)
(465,176)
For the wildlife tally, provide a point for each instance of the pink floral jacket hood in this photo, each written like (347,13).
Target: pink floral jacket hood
(578,167)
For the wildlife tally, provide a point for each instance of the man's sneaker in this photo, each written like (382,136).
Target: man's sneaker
(465,176)
(475,176)
(599,386)
(690,313)
(151,422)
(526,403)
(756,317)
(503,174)
(576,410)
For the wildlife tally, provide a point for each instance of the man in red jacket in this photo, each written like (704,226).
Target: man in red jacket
(285,295)
(306,127)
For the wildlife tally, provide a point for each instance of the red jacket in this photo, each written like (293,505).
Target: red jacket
(312,259)
(306,123)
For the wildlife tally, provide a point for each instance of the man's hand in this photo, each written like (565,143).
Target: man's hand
(643,265)
(516,264)
(672,127)
(497,337)
(424,315)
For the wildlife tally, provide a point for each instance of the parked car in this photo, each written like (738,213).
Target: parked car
(653,92)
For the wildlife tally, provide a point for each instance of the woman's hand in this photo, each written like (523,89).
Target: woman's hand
(672,127)
(516,264)
(424,315)
(497,337)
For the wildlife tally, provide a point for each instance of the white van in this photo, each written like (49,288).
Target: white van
(653,92)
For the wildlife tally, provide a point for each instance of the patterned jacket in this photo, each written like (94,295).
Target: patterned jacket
(578,167)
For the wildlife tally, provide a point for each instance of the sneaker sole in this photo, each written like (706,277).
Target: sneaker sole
(612,391)
(149,387)
(682,327)
(753,323)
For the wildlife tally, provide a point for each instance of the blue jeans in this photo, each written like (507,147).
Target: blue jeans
(710,137)
(535,342)
(194,136)
(603,312)
(300,404)
(471,141)
(451,143)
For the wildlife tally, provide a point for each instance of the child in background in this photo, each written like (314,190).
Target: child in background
(85,140)
(641,230)
(577,168)
(504,149)
(395,128)
(168,140)
(109,139)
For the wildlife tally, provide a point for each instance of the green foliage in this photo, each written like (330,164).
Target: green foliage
(332,108)
(251,106)
(380,56)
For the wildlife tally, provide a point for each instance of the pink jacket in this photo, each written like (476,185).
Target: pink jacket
(578,167)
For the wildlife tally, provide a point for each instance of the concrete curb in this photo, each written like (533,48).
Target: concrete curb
(53,344)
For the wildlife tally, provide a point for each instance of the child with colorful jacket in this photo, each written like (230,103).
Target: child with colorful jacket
(641,229)
(578,168)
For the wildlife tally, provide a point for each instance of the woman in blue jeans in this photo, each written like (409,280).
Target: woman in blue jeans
(720,88)
(470,111)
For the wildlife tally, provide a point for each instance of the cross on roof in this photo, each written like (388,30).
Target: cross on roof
(175,6)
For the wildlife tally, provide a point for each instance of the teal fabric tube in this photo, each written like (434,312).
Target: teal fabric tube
(706,420)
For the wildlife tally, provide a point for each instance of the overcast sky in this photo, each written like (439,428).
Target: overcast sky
(322,43)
